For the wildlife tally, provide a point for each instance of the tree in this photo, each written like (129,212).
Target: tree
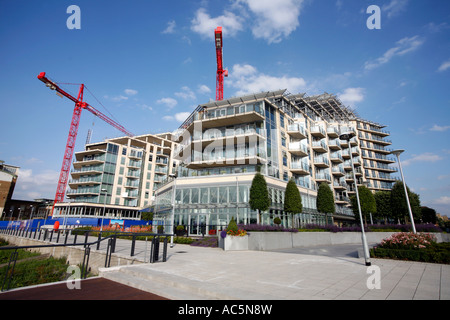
(383,203)
(416,209)
(259,195)
(325,199)
(367,202)
(429,215)
(399,204)
(292,199)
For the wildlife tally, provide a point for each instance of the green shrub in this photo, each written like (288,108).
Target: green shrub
(437,253)
(277,221)
(232,225)
(22,254)
(37,272)
(183,240)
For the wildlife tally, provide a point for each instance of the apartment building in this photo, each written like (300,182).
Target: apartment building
(8,179)
(223,143)
(118,177)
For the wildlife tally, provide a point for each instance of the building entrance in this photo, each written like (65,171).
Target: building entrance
(198,225)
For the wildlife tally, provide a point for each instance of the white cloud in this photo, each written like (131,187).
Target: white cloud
(119,98)
(130,92)
(169,102)
(179,117)
(442,200)
(186,93)
(394,7)
(248,80)
(32,185)
(444,66)
(439,128)
(351,96)
(402,47)
(424,157)
(204,89)
(204,25)
(170,27)
(274,20)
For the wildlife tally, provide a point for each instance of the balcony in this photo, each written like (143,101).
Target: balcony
(336,157)
(298,149)
(79,156)
(341,199)
(90,180)
(86,170)
(296,131)
(237,158)
(372,129)
(333,132)
(318,132)
(222,137)
(338,171)
(84,191)
(226,116)
(90,160)
(319,146)
(340,185)
(323,177)
(300,168)
(321,162)
(334,144)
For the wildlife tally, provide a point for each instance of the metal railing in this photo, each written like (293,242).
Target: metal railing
(48,235)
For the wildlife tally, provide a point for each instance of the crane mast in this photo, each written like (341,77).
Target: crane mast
(221,73)
(70,145)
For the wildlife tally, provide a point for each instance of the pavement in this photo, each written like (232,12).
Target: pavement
(312,273)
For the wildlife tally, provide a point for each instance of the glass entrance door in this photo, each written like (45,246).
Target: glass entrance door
(197,225)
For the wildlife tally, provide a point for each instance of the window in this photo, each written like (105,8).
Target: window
(195,196)
(213,195)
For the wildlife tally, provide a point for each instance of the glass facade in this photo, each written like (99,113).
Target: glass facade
(205,210)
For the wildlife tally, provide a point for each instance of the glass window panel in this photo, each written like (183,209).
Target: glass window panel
(223,195)
(243,194)
(195,196)
(186,196)
(213,195)
(232,194)
(204,195)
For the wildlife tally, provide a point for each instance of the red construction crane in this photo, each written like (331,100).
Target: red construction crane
(221,73)
(79,105)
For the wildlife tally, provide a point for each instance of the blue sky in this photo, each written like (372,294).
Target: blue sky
(150,63)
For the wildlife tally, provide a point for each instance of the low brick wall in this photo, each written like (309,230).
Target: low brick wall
(262,241)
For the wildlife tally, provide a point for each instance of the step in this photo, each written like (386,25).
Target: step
(176,287)
(150,286)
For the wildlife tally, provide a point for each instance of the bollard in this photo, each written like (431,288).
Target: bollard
(165,250)
(133,243)
(98,239)
(155,243)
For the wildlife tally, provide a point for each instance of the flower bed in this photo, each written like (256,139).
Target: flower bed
(265,228)
(413,247)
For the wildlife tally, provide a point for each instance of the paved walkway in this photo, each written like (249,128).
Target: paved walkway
(331,273)
(334,274)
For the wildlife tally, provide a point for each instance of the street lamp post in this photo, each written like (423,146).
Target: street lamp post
(397,154)
(103,191)
(347,136)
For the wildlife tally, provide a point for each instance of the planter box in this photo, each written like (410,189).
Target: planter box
(232,243)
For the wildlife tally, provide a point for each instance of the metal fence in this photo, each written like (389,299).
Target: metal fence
(47,236)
